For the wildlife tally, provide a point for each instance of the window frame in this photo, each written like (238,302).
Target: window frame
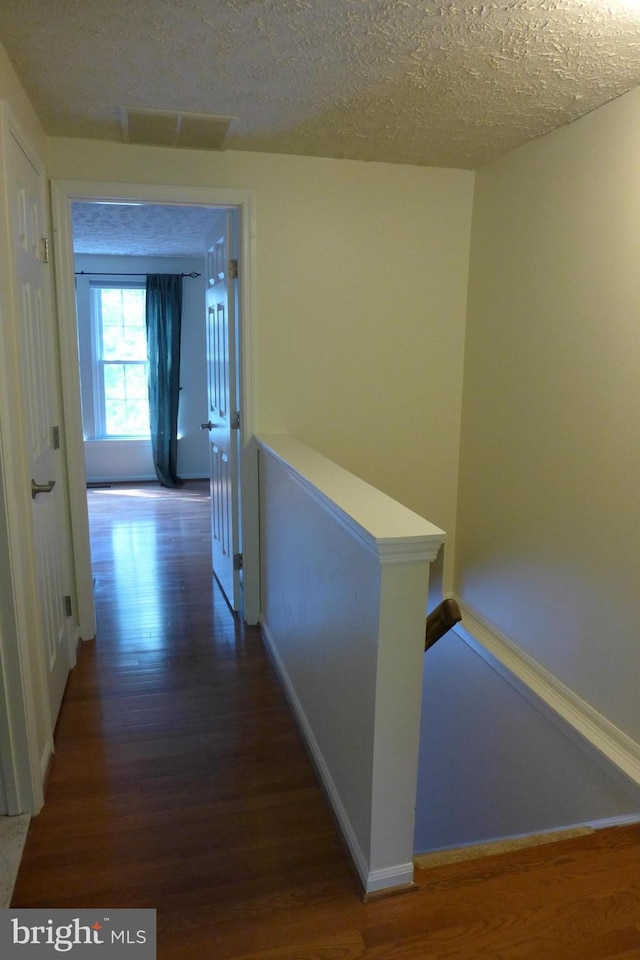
(98,363)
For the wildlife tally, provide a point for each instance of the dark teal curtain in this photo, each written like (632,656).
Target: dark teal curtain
(164,321)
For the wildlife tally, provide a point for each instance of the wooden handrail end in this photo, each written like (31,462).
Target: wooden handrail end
(440,621)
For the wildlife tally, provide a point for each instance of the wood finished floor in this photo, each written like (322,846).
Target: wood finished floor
(180,783)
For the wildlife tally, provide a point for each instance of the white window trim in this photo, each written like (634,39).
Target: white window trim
(97,363)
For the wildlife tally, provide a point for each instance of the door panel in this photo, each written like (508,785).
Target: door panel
(41,414)
(223,405)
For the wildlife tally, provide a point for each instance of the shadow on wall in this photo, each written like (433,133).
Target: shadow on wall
(493,766)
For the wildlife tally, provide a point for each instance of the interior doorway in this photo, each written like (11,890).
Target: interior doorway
(183,202)
(116,246)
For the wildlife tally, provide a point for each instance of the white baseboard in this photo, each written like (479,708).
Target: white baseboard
(530,678)
(392,878)
(624,820)
(139,478)
(46,759)
(73,645)
(372,881)
(130,478)
(555,833)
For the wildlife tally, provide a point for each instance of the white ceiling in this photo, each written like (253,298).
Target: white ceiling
(405,81)
(430,82)
(138,230)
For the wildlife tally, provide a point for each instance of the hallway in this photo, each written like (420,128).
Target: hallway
(180,783)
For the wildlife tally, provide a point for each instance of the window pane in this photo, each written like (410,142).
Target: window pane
(126,418)
(114,385)
(124,335)
(136,380)
(126,402)
(120,357)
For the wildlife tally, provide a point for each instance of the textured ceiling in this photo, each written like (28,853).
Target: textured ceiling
(439,83)
(138,230)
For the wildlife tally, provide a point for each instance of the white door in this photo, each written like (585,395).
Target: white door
(224,415)
(42,411)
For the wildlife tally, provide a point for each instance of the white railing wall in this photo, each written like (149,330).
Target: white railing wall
(344,579)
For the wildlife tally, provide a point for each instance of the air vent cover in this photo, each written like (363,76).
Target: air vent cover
(161,128)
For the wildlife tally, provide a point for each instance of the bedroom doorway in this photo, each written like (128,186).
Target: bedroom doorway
(64,195)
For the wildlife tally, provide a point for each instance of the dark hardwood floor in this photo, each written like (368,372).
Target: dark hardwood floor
(180,783)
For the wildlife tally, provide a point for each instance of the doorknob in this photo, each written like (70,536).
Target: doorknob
(208,425)
(37,488)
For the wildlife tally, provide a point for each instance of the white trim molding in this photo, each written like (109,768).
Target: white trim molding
(392,532)
(528,676)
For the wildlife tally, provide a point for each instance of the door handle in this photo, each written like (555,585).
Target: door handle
(208,425)
(37,488)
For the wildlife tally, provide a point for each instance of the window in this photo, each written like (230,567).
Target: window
(120,360)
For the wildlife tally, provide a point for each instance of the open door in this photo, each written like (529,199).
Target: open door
(223,421)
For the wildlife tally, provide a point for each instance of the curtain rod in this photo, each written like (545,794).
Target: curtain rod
(123,273)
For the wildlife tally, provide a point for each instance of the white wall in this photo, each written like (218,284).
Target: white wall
(132,459)
(360,300)
(548,522)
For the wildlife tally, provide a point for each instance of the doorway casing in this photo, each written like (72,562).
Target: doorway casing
(63,194)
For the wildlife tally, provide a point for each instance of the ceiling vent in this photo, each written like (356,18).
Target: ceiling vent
(161,128)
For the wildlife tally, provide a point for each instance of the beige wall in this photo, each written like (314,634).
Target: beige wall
(548,522)
(360,302)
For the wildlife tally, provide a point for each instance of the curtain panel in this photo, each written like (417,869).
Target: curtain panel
(164,322)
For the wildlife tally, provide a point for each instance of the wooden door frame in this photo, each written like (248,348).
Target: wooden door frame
(63,193)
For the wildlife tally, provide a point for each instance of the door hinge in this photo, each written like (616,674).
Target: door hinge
(68,609)
(235,420)
(45,249)
(55,435)
(232,270)
(237,561)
